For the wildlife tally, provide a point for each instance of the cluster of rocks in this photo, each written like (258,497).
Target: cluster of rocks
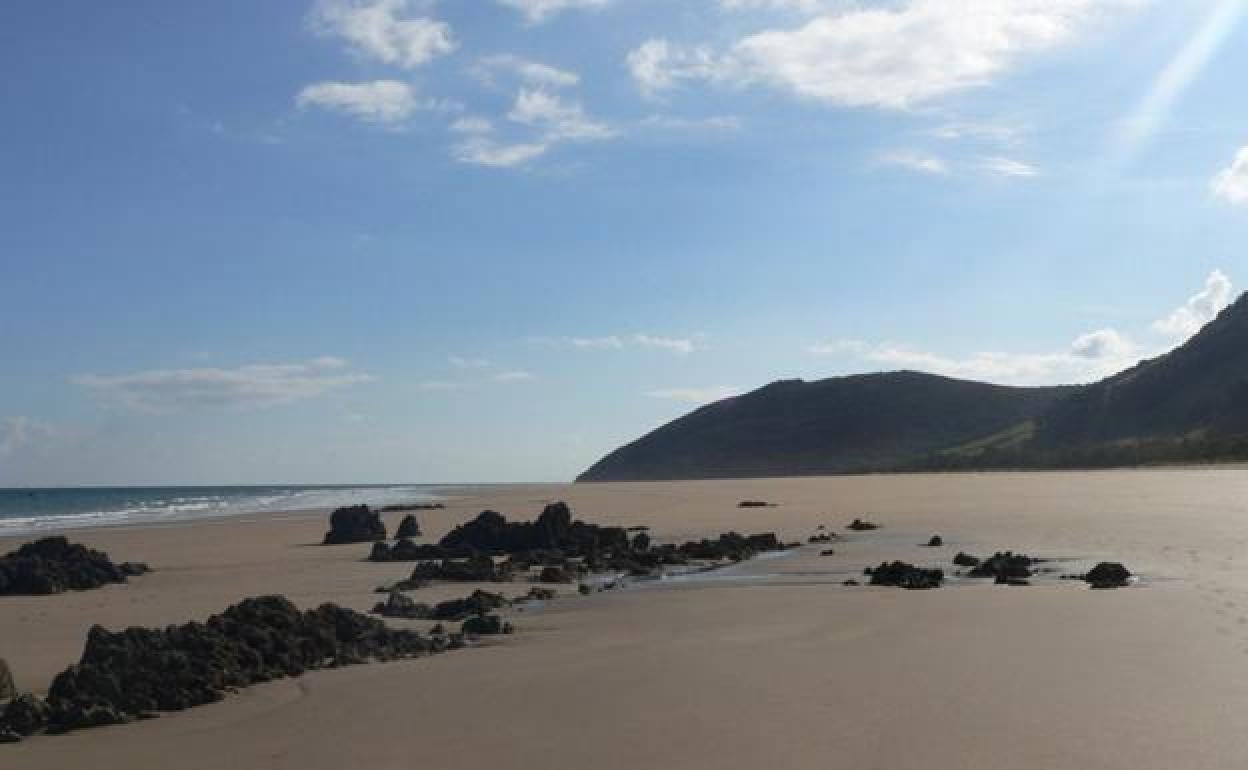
(135,673)
(1006,568)
(53,565)
(398,605)
(903,575)
(862,525)
(354,524)
(562,548)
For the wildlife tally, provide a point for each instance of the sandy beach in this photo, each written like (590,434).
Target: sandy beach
(772,663)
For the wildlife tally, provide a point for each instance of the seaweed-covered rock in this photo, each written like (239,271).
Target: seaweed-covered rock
(964,559)
(730,546)
(1108,575)
(485,625)
(1004,566)
(862,525)
(8,690)
(477,569)
(127,674)
(555,575)
(408,527)
(399,605)
(903,575)
(479,603)
(354,524)
(25,715)
(52,565)
(554,529)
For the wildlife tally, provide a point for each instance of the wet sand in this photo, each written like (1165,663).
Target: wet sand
(770,664)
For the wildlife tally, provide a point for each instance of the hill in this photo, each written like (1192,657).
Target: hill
(1190,404)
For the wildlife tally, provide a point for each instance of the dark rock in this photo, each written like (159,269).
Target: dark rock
(860,525)
(408,528)
(124,674)
(638,528)
(485,625)
(413,507)
(1003,580)
(730,546)
(398,605)
(936,541)
(584,590)
(641,542)
(539,594)
(821,538)
(755,504)
(554,529)
(905,575)
(405,550)
(477,569)
(827,552)
(8,690)
(354,524)
(851,582)
(8,736)
(1108,575)
(554,575)
(1006,565)
(25,715)
(53,565)
(479,603)
(965,560)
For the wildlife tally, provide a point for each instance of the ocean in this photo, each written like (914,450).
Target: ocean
(29,511)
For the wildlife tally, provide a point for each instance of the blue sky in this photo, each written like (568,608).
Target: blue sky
(445,241)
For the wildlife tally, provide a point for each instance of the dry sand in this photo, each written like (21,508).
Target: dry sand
(771,665)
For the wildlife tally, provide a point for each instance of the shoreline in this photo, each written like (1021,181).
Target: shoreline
(771,661)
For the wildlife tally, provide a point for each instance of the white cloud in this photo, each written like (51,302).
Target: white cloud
(1008,167)
(895,57)
(537,11)
(528,71)
(1200,308)
(1231,183)
(805,6)
(483,151)
(382,30)
(472,125)
(709,123)
(460,362)
(1089,356)
(596,343)
(172,390)
(434,385)
(557,119)
(695,395)
(673,344)
(378,101)
(915,161)
(514,375)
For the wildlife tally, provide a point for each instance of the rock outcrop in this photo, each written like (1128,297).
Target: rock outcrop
(53,565)
(354,524)
(903,575)
(408,527)
(130,674)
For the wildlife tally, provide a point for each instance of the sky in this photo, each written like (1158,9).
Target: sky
(361,241)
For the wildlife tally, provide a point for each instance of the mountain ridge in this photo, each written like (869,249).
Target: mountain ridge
(1188,404)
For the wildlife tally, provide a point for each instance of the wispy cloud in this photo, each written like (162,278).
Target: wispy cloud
(913,160)
(462,362)
(488,68)
(18,434)
(377,101)
(514,375)
(1088,357)
(255,385)
(1231,183)
(920,50)
(554,120)
(1200,308)
(678,123)
(1009,167)
(695,395)
(385,30)
(538,11)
